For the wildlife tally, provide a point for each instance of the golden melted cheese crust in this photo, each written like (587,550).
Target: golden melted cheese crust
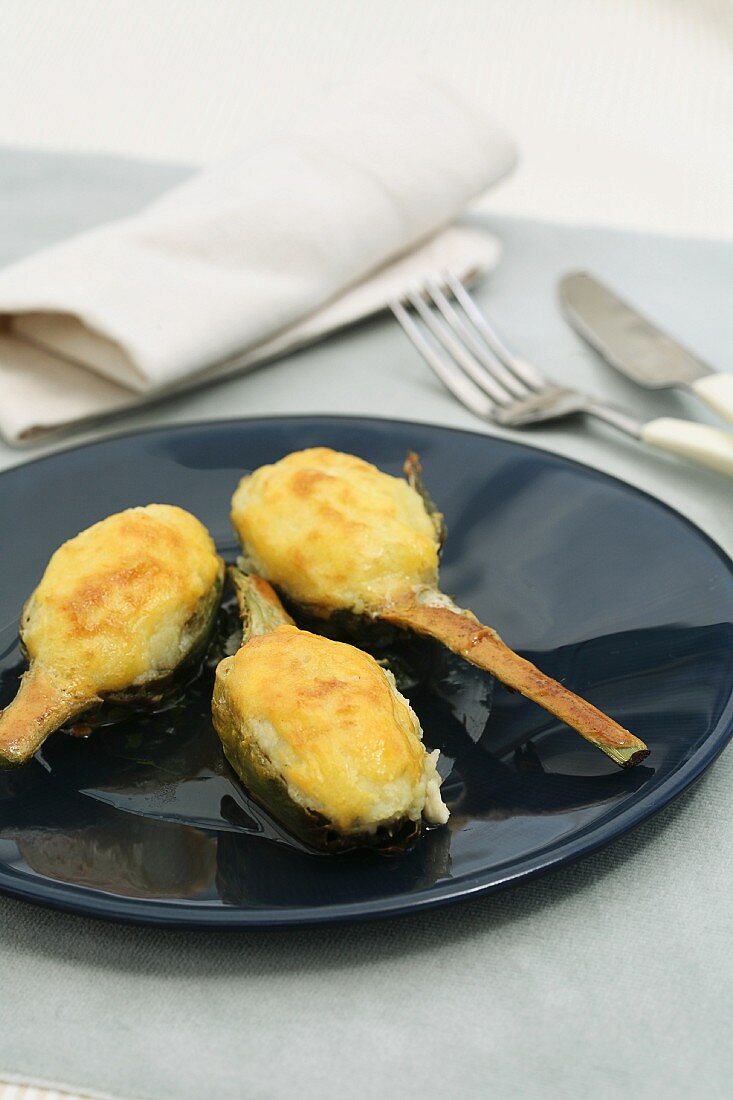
(332,724)
(333,531)
(113,602)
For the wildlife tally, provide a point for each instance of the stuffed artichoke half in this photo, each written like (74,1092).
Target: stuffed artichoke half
(320,735)
(120,608)
(337,536)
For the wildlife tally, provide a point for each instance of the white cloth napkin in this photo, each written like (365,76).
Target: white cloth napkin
(308,232)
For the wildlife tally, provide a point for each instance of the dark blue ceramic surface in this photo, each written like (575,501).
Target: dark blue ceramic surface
(601,586)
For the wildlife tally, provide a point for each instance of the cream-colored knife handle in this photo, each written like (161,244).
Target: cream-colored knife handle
(716,390)
(706,446)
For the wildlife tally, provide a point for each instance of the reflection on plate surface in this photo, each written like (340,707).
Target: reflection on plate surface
(600,586)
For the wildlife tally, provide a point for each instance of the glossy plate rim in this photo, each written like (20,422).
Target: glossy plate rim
(190,915)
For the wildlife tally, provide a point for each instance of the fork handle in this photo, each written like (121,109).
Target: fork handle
(704,445)
(716,390)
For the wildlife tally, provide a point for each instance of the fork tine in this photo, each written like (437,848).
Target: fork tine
(520,367)
(460,355)
(471,336)
(449,374)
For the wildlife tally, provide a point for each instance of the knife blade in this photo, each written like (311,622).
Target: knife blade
(633,345)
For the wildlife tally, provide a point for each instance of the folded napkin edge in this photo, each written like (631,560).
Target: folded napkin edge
(83,399)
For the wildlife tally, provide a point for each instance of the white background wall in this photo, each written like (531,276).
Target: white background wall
(623,108)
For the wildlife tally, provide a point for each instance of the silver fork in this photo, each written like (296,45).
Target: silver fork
(465,351)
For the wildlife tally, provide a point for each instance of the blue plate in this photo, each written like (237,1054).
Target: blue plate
(600,585)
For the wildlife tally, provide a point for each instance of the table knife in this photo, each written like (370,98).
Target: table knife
(636,347)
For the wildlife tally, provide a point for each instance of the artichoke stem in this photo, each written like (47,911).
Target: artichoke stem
(259,607)
(433,615)
(39,708)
